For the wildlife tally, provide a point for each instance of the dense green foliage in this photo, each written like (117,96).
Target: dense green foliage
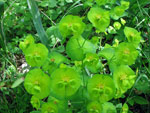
(92,58)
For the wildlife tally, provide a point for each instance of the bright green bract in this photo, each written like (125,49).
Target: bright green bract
(35,102)
(71,25)
(37,83)
(94,107)
(133,36)
(92,62)
(65,82)
(124,78)
(26,43)
(126,53)
(53,61)
(117,12)
(77,47)
(109,108)
(101,2)
(101,88)
(36,55)
(49,108)
(99,18)
(125,4)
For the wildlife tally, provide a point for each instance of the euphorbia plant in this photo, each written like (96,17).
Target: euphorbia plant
(78,80)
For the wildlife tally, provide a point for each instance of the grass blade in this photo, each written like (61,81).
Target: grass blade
(2,35)
(37,21)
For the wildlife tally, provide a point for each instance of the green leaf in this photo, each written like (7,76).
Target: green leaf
(52,3)
(140,100)
(143,84)
(131,102)
(54,30)
(37,21)
(17,82)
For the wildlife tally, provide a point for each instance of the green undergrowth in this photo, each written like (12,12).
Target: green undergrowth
(83,56)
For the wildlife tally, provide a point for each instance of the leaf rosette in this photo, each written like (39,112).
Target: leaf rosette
(133,36)
(71,25)
(49,107)
(37,83)
(124,78)
(94,107)
(65,82)
(101,88)
(36,54)
(99,18)
(77,47)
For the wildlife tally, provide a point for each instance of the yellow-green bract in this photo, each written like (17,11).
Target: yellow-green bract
(94,107)
(65,82)
(117,25)
(37,83)
(117,12)
(133,36)
(35,102)
(53,61)
(101,2)
(125,4)
(77,47)
(92,62)
(71,25)
(124,78)
(108,107)
(125,108)
(101,88)
(49,107)
(126,53)
(99,18)
(29,40)
(36,54)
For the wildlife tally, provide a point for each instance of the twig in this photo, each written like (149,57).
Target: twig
(48,17)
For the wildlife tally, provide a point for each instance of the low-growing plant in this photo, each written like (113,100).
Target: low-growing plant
(90,75)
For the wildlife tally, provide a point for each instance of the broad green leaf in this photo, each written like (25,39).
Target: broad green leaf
(37,21)
(140,100)
(131,102)
(17,82)
(143,84)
